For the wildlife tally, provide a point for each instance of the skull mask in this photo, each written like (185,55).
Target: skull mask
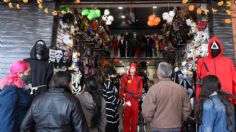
(59,55)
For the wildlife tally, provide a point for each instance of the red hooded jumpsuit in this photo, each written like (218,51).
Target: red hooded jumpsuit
(131,89)
(220,66)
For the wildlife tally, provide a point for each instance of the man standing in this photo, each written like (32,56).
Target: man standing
(166,104)
(131,90)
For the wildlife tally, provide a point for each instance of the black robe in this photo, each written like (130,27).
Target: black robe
(41,70)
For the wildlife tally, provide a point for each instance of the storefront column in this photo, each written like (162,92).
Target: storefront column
(233,15)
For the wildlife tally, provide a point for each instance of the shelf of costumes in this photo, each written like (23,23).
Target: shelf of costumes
(133,44)
(75,35)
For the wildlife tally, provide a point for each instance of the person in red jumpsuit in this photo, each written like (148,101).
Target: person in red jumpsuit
(115,43)
(131,90)
(216,64)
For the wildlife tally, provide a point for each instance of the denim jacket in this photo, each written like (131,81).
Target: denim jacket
(214,116)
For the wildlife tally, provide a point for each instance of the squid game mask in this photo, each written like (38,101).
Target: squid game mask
(215,49)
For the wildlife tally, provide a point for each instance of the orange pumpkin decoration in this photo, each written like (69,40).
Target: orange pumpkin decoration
(214,10)
(77,1)
(157,20)
(199,11)
(220,3)
(184,1)
(191,8)
(228,21)
(25,1)
(228,12)
(228,3)
(151,17)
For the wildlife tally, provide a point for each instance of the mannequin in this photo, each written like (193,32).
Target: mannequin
(149,45)
(216,64)
(156,46)
(122,46)
(41,69)
(131,90)
(131,45)
(115,43)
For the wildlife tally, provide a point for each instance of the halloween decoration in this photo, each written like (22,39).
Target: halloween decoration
(153,20)
(107,17)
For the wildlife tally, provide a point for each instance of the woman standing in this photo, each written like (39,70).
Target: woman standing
(57,110)
(110,93)
(93,105)
(14,99)
(214,112)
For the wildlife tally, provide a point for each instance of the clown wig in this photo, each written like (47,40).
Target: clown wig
(13,78)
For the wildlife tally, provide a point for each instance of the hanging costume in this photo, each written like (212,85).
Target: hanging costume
(216,64)
(115,43)
(149,46)
(131,89)
(156,47)
(122,47)
(41,68)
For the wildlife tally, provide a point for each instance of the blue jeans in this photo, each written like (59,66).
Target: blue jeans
(174,130)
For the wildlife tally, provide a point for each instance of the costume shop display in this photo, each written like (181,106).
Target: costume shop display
(216,64)
(131,90)
(41,68)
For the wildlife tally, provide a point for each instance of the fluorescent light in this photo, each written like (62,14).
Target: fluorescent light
(120,8)
(123,17)
(154,7)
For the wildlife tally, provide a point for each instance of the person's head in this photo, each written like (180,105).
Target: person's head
(164,70)
(211,84)
(19,75)
(214,47)
(90,86)
(61,79)
(111,73)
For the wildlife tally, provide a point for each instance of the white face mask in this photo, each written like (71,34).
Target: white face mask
(132,71)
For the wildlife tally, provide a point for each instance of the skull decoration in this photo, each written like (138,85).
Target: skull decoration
(76,86)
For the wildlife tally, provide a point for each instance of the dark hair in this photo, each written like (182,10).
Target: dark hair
(110,71)
(60,79)
(210,85)
(92,88)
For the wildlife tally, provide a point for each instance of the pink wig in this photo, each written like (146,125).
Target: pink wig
(13,78)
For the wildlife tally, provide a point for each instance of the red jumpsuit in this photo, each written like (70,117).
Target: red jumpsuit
(220,66)
(131,87)
(115,43)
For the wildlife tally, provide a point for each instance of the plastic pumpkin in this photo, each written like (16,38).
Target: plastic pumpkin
(184,1)
(228,3)
(214,10)
(46,10)
(220,3)
(25,1)
(17,6)
(228,21)
(228,12)
(199,11)
(191,7)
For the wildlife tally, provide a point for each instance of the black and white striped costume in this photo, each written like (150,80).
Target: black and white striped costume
(110,93)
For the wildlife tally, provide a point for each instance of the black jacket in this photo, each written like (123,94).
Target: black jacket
(55,111)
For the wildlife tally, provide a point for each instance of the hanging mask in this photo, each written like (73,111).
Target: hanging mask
(40,49)
(132,71)
(215,49)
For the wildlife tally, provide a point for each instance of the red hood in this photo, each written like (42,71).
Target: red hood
(212,40)
(133,65)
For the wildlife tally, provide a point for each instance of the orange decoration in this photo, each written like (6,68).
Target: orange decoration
(199,11)
(25,1)
(157,20)
(17,6)
(220,3)
(214,10)
(228,12)
(228,3)
(191,7)
(40,6)
(184,1)
(151,17)
(77,1)
(228,21)
(10,5)
(206,12)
